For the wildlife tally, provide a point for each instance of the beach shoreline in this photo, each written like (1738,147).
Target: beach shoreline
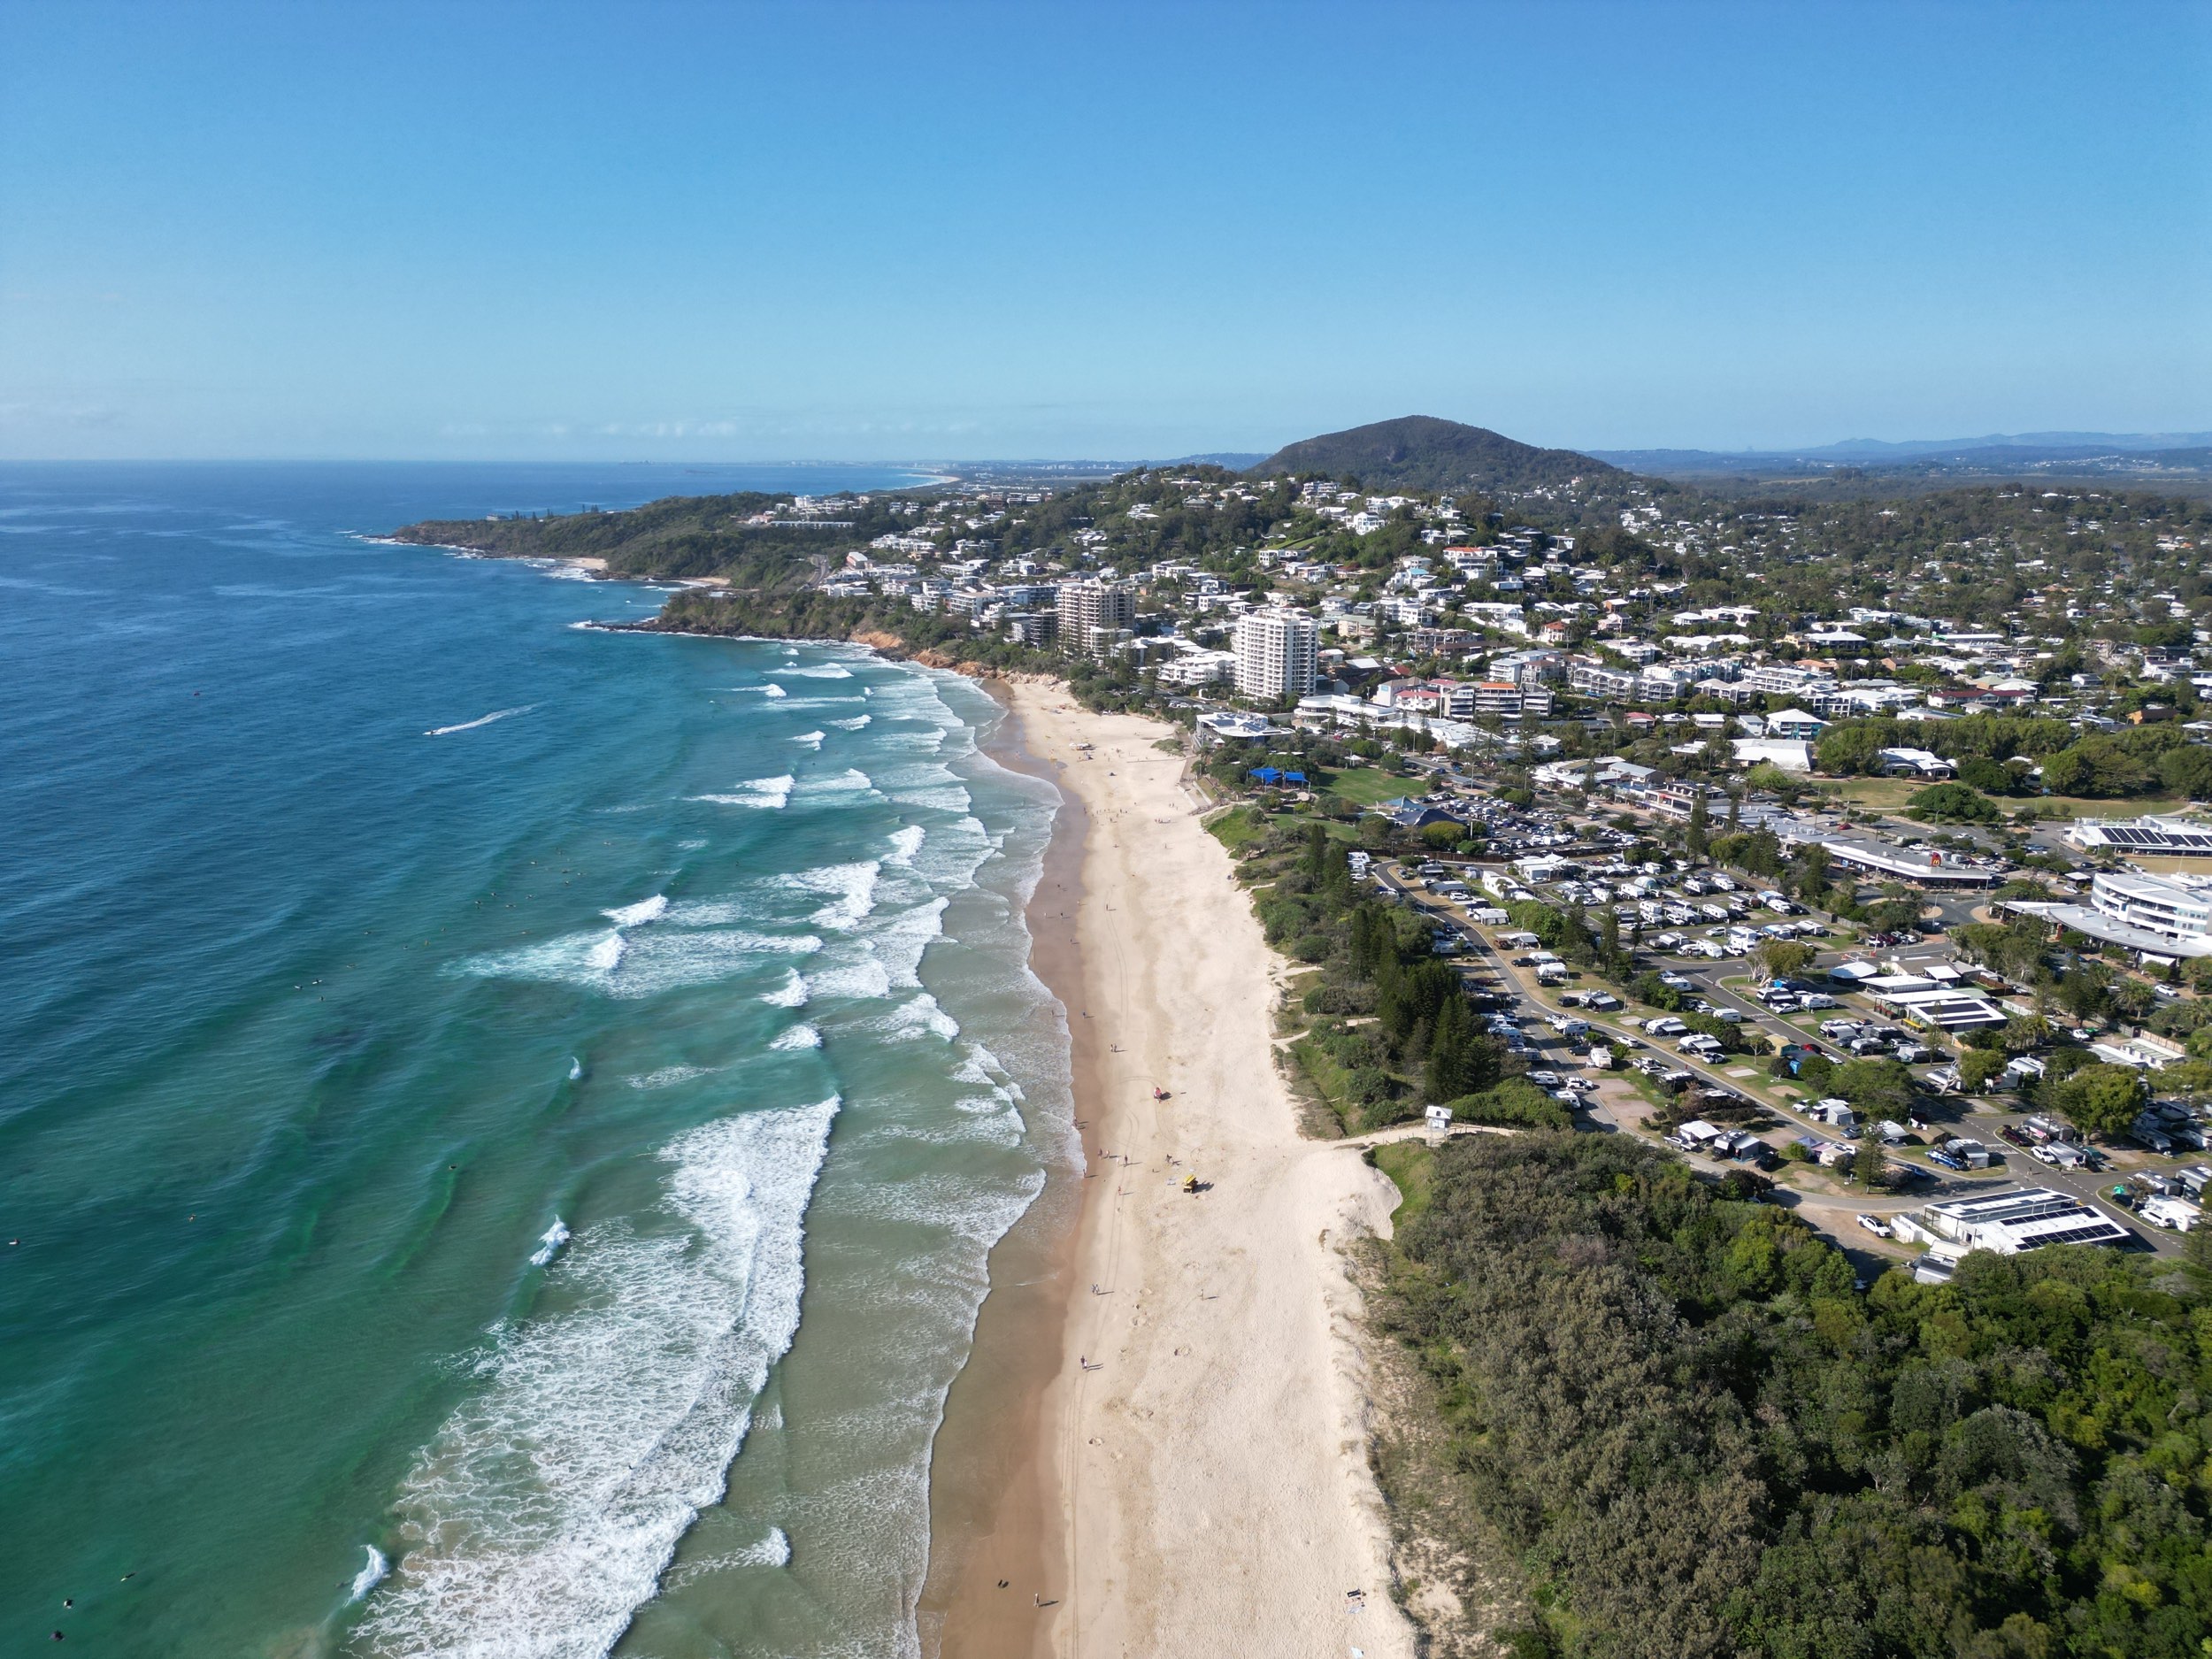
(1159,1444)
(991,1490)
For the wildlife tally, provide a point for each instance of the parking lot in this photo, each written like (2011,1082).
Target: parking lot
(1525,1000)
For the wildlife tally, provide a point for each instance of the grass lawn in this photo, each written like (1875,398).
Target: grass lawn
(1411,1167)
(2138,806)
(1889,794)
(1238,828)
(1364,786)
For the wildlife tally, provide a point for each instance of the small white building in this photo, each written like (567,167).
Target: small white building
(2008,1223)
(1790,755)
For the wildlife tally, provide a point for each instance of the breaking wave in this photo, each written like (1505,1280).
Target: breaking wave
(547,1506)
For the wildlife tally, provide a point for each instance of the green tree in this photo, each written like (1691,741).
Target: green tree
(1881,1089)
(1979,1067)
(1953,802)
(1782,957)
(1990,777)
(2102,1100)
(1812,864)
(2187,771)
(1697,841)
(2083,992)
(1850,747)
(1459,1062)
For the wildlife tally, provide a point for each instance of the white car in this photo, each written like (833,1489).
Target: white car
(1580,1086)
(1875,1225)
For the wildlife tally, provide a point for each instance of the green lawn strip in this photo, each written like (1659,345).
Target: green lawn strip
(1330,1080)
(1891,794)
(1411,1167)
(1365,786)
(1238,828)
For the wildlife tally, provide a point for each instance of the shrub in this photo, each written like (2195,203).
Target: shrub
(1514,1104)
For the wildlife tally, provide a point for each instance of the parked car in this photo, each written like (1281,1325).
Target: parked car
(1880,1229)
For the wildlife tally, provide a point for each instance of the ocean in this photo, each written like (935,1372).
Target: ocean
(501,1122)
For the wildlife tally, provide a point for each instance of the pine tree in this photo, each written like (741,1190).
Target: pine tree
(1450,1073)
(1696,843)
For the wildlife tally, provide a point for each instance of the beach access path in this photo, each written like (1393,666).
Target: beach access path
(1203,1442)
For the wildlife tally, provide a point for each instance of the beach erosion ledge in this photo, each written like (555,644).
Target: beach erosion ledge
(1159,1445)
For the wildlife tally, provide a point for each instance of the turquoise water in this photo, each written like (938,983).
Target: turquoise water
(501,1122)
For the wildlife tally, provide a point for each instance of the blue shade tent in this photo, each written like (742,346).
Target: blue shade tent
(1264,774)
(1294,777)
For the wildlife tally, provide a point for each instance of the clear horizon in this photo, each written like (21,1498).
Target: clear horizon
(879,233)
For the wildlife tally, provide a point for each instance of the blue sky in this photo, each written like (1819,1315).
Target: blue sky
(906,231)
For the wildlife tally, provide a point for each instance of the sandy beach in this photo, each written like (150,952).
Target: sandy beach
(1163,1443)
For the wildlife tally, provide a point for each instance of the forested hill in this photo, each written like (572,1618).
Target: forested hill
(1421,452)
(743,537)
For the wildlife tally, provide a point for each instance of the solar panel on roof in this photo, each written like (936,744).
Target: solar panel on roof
(2103,1231)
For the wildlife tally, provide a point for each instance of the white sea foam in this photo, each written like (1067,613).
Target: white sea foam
(809,740)
(470,725)
(853,725)
(861,979)
(757,792)
(820,671)
(798,1037)
(575,1068)
(659,959)
(927,742)
(772,689)
(899,939)
(920,1016)
(905,843)
(637,914)
(773,1551)
(372,1574)
(668,1076)
(549,1243)
(851,781)
(549,1502)
(851,889)
(790,993)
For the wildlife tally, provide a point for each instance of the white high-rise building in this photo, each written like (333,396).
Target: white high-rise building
(1093,615)
(1275,653)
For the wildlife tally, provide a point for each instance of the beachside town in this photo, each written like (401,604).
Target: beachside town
(1893,897)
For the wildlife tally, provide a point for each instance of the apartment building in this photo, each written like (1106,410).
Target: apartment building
(1275,653)
(1095,615)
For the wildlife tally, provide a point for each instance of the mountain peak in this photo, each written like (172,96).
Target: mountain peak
(1423,452)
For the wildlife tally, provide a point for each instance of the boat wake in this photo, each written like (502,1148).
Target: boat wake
(470,725)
